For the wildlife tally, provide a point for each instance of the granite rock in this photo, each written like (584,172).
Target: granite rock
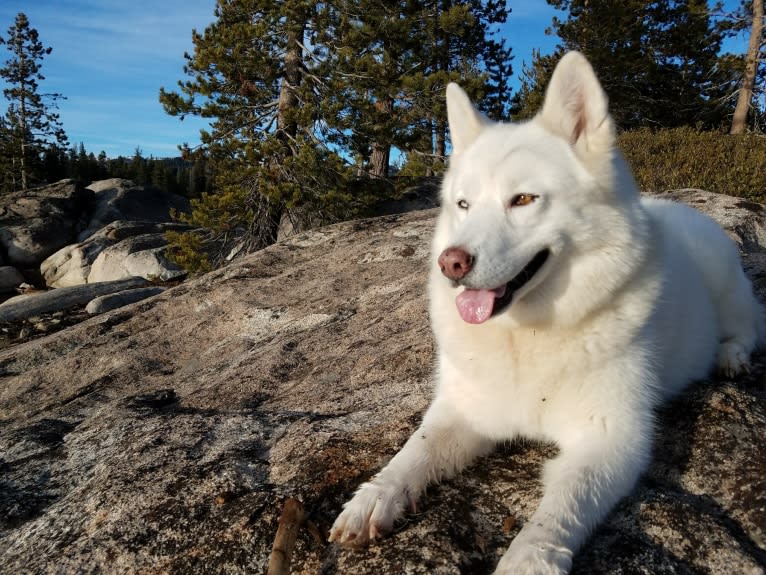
(119,199)
(10,278)
(40,302)
(71,265)
(112,301)
(166,436)
(141,255)
(37,222)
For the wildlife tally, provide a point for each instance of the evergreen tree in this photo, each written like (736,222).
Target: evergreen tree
(392,66)
(460,45)
(656,59)
(297,90)
(6,156)
(103,165)
(376,48)
(251,76)
(31,123)
(55,164)
(138,170)
(534,79)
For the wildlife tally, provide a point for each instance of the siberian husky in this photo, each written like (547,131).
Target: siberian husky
(566,308)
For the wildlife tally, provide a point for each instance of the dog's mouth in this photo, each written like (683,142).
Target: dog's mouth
(478,305)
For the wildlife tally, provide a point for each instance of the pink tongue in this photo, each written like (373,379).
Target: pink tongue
(475,305)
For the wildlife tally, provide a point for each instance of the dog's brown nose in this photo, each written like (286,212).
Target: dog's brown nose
(455,263)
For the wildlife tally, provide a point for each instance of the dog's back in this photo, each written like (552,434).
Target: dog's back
(693,239)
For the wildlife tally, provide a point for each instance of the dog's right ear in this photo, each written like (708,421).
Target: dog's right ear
(465,121)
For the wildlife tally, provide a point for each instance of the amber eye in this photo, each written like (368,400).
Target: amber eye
(462,204)
(522,200)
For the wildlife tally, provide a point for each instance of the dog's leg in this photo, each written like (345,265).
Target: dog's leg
(440,447)
(591,474)
(741,318)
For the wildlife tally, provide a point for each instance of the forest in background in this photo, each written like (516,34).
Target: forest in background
(323,107)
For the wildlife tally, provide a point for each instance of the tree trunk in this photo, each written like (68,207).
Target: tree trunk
(445,40)
(381,152)
(23,124)
(441,140)
(751,66)
(379,160)
(288,99)
(287,126)
(23,163)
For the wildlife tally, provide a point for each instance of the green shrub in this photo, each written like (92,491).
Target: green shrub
(186,249)
(676,158)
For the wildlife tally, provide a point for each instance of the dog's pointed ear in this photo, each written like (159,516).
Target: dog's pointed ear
(577,109)
(465,121)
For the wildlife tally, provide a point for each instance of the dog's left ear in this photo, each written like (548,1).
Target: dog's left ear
(577,109)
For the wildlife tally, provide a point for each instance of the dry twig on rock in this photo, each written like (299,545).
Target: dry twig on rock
(290,523)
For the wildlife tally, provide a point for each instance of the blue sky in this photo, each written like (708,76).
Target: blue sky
(110,58)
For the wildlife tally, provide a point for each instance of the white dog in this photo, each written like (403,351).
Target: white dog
(565,308)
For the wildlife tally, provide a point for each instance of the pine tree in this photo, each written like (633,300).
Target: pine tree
(297,91)
(392,64)
(466,50)
(534,79)
(656,60)
(378,51)
(251,76)
(103,165)
(138,170)
(31,123)
(6,156)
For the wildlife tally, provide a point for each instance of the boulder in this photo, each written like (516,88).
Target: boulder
(142,255)
(168,435)
(10,279)
(71,265)
(35,223)
(119,199)
(40,302)
(109,302)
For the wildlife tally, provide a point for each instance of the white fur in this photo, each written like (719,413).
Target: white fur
(638,298)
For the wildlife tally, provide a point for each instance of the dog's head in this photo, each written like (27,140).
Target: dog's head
(525,207)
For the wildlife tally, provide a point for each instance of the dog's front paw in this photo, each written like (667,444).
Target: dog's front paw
(733,358)
(370,513)
(531,556)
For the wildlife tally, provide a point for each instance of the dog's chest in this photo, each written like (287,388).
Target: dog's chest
(515,385)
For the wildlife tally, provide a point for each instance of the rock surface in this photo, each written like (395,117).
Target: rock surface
(10,278)
(51,225)
(120,199)
(36,223)
(166,436)
(71,265)
(112,301)
(422,194)
(142,255)
(15,332)
(40,302)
